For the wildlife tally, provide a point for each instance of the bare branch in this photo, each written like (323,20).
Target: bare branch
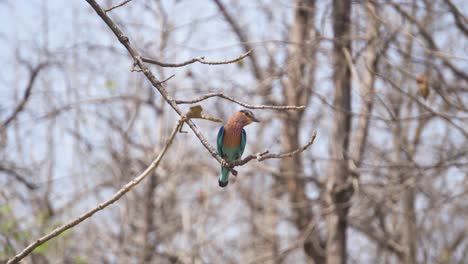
(117,6)
(264,155)
(27,93)
(199,59)
(204,97)
(167,79)
(17,176)
(126,188)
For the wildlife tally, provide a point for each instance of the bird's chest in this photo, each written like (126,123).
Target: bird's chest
(232,137)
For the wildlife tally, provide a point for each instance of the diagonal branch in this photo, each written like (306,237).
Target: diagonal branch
(27,93)
(460,19)
(286,107)
(117,6)
(126,188)
(18,177)
(199,59)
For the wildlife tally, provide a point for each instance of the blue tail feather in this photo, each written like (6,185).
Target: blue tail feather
(223,178)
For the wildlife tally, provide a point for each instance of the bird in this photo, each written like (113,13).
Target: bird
(232,139)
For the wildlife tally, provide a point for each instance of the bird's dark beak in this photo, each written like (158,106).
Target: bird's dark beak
(255,119)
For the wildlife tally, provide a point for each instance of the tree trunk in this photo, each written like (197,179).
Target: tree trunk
(296,91)
(406,177)
(339,191)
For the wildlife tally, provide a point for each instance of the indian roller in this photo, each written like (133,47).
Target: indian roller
(232,139)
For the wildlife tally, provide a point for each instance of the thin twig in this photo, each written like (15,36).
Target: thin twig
(117,6)
(167,79)
(286,107)
(198,59)
(127,187)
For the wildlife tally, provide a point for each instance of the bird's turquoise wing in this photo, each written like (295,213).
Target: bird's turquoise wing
(219,141)
(223,178)
(243,143)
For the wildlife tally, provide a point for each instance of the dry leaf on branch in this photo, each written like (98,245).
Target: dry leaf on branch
(423,86)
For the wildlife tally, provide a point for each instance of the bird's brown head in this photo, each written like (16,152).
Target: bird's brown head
(243,118)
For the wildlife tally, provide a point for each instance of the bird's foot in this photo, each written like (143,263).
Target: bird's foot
(225,164)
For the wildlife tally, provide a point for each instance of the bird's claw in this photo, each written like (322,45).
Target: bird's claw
(227,165)
(224,164)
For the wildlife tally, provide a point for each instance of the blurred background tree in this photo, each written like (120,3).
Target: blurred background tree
(385,84)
